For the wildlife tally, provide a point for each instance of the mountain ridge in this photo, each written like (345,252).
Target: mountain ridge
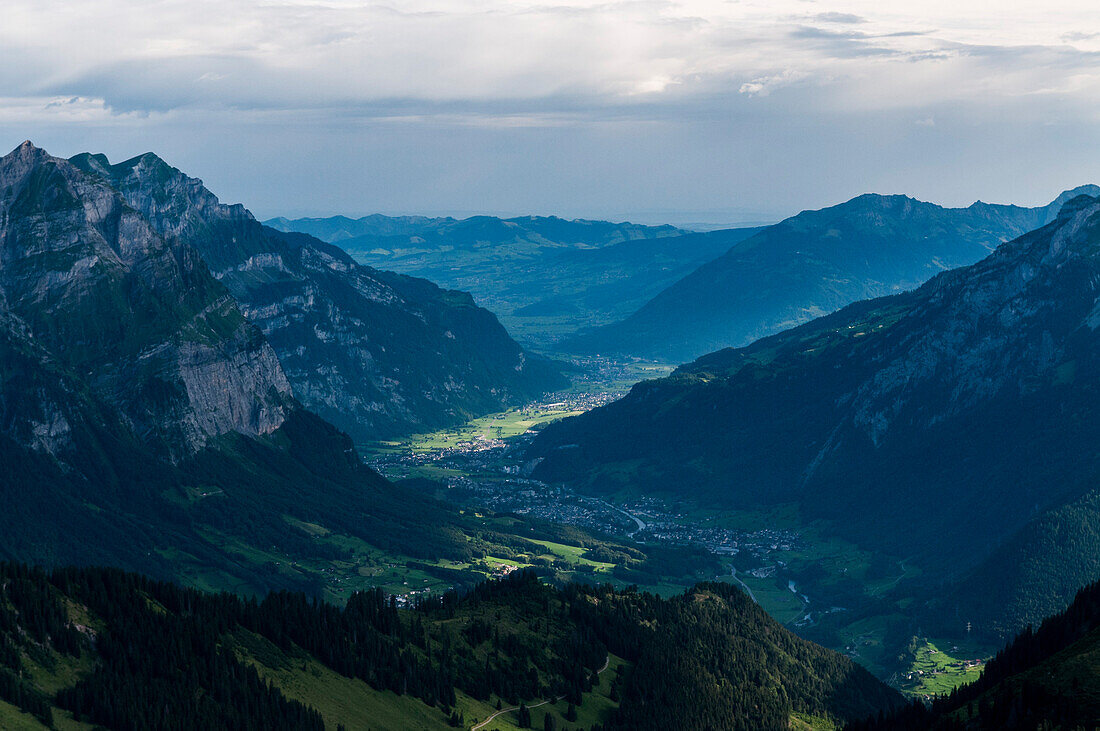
(809,265)
(544,276)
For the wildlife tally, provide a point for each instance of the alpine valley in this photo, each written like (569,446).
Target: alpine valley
(253,481)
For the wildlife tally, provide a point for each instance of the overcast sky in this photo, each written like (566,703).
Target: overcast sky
(700,110)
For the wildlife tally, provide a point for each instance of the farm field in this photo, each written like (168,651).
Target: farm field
(936,672)
(502,425)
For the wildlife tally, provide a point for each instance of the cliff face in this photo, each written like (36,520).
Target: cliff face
(376,353)
(138,322)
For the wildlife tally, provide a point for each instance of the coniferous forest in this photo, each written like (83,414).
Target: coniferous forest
(157,656)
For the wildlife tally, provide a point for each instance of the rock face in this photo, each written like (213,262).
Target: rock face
(378,354)
(932,424)
(87,285)
(145,422)
(813,264)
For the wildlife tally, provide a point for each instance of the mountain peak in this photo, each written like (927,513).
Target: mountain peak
(1076,204)
(25,152)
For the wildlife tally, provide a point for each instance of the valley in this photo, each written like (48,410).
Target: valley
(799,571)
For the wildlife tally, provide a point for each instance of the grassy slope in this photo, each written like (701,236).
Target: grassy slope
(596,707)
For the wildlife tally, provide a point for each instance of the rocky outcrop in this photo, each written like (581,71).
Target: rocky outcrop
(378,354)
(137,320)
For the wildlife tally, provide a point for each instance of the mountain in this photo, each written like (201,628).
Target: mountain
(1046,678)
(377,354)
(810,265)
(144,422)
(77,264)
(545,277)
(932,425)
(115,650)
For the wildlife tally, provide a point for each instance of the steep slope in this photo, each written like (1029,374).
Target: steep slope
(1031,576)
(122,651)
(944,419)
(545,277)
(376,353)
(79,264)
(1046,678)
(144,422)
(810,265)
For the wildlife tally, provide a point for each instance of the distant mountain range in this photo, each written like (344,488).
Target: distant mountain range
(376,353)
(942,424)
(810,265)
(545,277)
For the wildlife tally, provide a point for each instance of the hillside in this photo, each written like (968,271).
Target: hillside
(545,277)
(377,354)
(101,647)
(1046,678)
(946,418)
(810,265)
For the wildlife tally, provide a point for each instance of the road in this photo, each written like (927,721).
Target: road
(489,720)
(638,521)
(742,583)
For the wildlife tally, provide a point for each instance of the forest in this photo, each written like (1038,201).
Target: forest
(154,655)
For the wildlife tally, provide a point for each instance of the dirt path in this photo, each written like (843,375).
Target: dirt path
(489,720)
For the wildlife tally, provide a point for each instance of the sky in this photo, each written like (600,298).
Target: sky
(717,111)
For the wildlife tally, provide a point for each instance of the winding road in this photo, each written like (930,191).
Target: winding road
(489,720)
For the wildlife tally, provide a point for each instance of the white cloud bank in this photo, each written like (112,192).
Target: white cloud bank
(742,72)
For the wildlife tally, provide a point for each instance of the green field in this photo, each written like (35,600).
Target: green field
(935,672)
(806,722)
(502,425)
(347,701)
(780,602)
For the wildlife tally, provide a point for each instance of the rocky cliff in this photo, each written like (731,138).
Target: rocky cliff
(376,353)
(87,284)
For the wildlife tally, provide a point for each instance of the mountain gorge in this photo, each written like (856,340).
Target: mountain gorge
(947,418)
(378,354)
(810,265)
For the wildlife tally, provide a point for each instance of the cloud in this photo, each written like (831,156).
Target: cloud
(834,17)
(306,54)
(766,84)
(461,99)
